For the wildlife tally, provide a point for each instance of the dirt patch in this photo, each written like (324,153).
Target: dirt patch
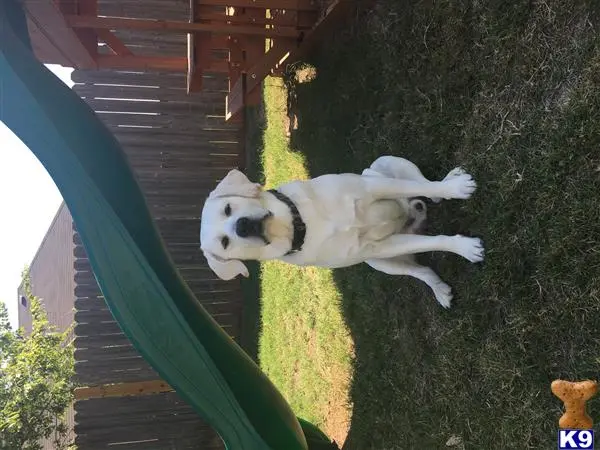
(338,411)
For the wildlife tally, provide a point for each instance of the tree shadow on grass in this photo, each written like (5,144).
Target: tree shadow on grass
(506,89)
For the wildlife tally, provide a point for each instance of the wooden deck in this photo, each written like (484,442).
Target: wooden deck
(257,37)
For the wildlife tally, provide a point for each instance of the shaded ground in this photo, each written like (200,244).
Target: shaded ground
(511,91)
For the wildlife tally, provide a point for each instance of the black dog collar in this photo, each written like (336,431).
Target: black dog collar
(299,225)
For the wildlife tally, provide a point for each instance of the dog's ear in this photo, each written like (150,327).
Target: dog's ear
(226,269)
(236,184)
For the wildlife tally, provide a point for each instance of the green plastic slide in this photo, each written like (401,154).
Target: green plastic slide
(142,287)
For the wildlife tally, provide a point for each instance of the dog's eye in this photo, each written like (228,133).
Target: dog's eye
(225,242)
(228,210)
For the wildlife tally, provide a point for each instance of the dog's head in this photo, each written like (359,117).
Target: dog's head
(233,225)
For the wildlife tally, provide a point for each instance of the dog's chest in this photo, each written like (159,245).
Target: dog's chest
(338,227)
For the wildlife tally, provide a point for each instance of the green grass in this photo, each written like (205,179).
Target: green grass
(304,344)
(511,91)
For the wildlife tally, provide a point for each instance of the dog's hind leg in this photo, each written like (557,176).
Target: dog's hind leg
(401,168)
(411,244)
(405,265)
(396,167)
(459,187)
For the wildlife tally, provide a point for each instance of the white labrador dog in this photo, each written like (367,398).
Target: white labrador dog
(335,221)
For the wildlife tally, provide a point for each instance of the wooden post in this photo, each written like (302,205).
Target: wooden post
(46,15)
(114,43)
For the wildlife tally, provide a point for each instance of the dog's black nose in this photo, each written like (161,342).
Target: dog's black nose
(246,227)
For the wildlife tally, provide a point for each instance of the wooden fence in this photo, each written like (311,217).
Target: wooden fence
(179,146)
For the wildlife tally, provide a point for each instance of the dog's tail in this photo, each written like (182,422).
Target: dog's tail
(417,215)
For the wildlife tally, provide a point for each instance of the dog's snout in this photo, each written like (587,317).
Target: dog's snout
(246,227)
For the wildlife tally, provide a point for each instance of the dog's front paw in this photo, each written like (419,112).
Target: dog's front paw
(459,184)
(457,171)
(469,248)
(443,294)
(452,174)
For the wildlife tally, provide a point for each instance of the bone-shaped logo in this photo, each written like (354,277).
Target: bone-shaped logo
(574,395)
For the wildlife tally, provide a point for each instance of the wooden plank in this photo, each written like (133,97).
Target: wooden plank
(225,302)
(130,78)
(254,77)
(166,42)
(154,63)
(179,178)
(219,298)
(97,329)
(87,291)
(223,298)
(143,432)
(151,92)
(213,90)
(235,100)
(299,5)
(82,277)
(194,72)
(173,122)
(89,342)
(145,43)
(145,166)
(103,341)
(90,304)
(99,407)
(122,389)
(92,375)
(184,183)
(141,62)
(204,136)
(48,18)
(208,161)
(258,72)
(186,142)
(105,353)
(199,141)
(178,443)
(255,50)
(44,49)
(89,38)
(170,26)
(146,162)
(165,106)
(161,102)
(94,316)
(286,20)
(115,44)
(197,53)
(144,10)
(138,418)
(129,363)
